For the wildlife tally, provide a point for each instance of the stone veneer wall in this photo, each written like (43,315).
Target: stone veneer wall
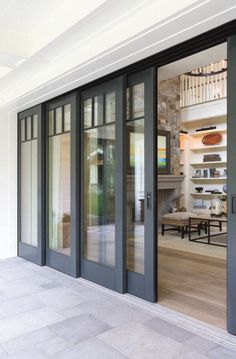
(169,117)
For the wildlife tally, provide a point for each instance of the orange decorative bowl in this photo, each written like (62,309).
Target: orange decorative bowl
(212,139)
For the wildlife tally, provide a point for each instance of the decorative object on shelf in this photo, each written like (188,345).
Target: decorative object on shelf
(212,139)
(213,191)
(225,188)
(205,173)
(205,128)
(212,158)
(198,174)
(216,174)
(216,206)
(199,204)
(199,189)
(225,172)
(211,172)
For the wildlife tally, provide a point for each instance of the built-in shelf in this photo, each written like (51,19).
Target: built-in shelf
(207,194)
(209,148)
(209,164)
(209,179)
(208,132)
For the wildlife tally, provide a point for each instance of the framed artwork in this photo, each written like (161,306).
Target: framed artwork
(163,152)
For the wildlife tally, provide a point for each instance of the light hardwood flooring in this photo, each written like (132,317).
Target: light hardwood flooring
(193,284)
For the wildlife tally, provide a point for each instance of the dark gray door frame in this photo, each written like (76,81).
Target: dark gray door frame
(31,253)
(231,195)
(66,264)
(145,286)
(113,278)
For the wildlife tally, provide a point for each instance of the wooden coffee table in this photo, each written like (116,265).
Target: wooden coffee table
(208,222)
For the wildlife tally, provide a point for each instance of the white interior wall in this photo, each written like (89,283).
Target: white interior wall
(141,30)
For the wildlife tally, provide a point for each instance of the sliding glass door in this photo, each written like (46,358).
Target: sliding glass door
(140,185)
(101,258)
(61,240)
(30,204)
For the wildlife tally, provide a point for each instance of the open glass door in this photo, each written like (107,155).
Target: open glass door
(30,203)
(140,185)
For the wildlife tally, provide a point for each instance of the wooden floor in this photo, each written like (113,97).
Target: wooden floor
(193,284)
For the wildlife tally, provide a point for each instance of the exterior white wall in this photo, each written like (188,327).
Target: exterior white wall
(111,39)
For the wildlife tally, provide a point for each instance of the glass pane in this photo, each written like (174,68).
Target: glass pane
(88,113)
(22,130)
(98,110)
(26,192)
(110,106)
(29,204)
(28,124)
(35,126)
(51,122)
(67,117)
(99,195)
(59,194)
(135,197)
(34,193)
(138,100)
(59,120)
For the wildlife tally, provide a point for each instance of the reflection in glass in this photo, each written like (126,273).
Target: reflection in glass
(35,126)
(138,100)
(110,103)
(29,222)
(51,122)
(88,113)
(99,195)
(59,120)
(28,124)
(135,197)
(98,110)
(22,130)
(59,194)
(67,117)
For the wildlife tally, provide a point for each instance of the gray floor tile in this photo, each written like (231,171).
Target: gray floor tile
(28,340)
(90,349)
(50,285)
(198,344)
(169,330)
(52,346)
(31,353)
(190,355)
(59,298)
(80,328)
(16,306)
(219,352)
(137,341)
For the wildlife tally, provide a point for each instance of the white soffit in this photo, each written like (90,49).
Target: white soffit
(111,36)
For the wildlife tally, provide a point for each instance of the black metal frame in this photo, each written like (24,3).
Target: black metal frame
(207,227)
(31,253)
(199,43)
(56,260)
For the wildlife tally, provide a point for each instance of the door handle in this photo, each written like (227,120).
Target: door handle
(149,200)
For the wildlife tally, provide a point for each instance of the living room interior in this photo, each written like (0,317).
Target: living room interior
(192,185)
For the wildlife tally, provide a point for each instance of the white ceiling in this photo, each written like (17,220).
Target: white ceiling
(27,26)
(48,47)
(190,63)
